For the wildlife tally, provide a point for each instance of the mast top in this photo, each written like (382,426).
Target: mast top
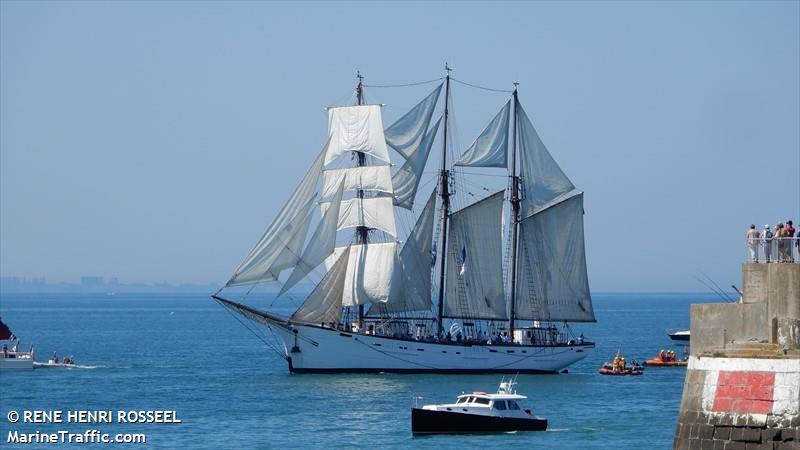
(360,88)
(448,68)
(516,83)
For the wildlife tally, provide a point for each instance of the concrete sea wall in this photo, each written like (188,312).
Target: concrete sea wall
(742,386)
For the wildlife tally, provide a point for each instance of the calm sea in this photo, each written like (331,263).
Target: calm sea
(186,353)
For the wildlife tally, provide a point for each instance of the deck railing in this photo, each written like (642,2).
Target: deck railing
(774,250)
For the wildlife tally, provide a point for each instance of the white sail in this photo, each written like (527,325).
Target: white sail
(367,178)
(406,180)
(542,178)
(406,135)
(373,212)
(321,244)
(415,265)
(294,236)
(552,283)
(356,128)
(289,226)
(490,149)
(371,273)
(324,304)
(475,261)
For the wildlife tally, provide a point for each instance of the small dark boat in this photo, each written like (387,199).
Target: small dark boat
(619,368)
(608,369)
(478,412)
(679,335)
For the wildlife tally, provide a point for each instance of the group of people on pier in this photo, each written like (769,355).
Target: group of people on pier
(781,245)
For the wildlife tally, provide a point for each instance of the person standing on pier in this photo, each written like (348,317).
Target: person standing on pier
(752,243)
(789,234)
(766,238)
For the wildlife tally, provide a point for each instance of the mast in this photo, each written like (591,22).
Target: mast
(362,232)
(514,220)
(444,180)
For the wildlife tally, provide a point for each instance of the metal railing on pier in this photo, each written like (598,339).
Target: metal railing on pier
(773,250)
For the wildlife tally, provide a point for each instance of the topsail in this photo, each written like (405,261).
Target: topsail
(490,149)
(542,178)
(406,135)
(356,129)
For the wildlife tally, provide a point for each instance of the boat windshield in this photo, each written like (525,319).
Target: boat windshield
(481,400)
(462,400)
(512,404)
(500,404)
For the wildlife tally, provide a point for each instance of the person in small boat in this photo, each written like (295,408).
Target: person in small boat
(55,358)
(5,351)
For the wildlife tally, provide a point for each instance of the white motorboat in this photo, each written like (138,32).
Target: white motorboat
(679,335)
(478,412)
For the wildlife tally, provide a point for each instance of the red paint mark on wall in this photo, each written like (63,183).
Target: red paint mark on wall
(744,392)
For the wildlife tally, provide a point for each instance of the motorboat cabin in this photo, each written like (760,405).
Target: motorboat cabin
(478,412)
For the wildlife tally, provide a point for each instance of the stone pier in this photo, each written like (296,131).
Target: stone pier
(742,386)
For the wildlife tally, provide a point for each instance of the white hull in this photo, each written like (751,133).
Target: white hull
(15,364)
(324,350)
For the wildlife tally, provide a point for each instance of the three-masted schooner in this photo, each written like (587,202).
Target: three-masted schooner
(383,305)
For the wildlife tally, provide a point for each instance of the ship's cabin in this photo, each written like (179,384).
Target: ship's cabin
(483,400)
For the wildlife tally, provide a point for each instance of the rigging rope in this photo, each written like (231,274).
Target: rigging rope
(509,91)
(257,335)
(402,85)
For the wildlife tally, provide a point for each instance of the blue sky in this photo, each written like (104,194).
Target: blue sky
(155,141)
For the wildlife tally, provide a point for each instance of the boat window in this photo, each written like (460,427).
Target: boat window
(462,400)
(482,401)
(500,404)
(512,404)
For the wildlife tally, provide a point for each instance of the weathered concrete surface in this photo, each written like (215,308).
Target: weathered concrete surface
(778,286)
(715,326)
(742,386)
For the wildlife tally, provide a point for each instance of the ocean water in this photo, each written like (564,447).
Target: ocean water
(188,354)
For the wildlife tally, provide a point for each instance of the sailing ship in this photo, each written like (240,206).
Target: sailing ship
(490,287)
